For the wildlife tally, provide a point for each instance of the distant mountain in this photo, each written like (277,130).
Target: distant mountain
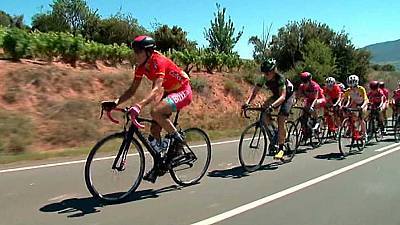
(386,52)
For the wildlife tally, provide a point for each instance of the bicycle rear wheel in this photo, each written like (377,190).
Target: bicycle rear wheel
(397,130)
(106,183)
(197,157)
(252,147)
(291,141)
(378,132)
(318,133)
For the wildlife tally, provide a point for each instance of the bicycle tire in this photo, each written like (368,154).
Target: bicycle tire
(290,150)
(397,130)
(88,179)
(173,171)
(257,165)
(343,135)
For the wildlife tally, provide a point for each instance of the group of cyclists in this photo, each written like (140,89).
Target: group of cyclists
(171,91)
(332,100)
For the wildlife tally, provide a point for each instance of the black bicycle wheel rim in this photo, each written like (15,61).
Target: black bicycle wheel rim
(252,168)
(196,179)
(88,179)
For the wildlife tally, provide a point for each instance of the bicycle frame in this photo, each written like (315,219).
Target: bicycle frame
(132,130)
(261,120)
(355,133)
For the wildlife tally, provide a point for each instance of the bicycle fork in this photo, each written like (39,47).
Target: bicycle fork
(120,160)
(258,139)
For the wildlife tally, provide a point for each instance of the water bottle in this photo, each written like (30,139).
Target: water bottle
(165,144)
(153,142)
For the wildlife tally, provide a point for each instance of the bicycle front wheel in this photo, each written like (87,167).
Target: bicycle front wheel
(252,147)
(346,141)
(114,184)
(197,158)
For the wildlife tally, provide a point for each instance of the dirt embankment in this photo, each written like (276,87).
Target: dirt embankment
(50,106)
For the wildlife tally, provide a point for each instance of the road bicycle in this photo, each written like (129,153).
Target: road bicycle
(350,139)
(253,145)
(115,166)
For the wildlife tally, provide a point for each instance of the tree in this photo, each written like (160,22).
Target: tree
(175,38)
(119,28)
(74,12)
(5,19)
(289,44)
(46,22)
(72,16)
(388,67)
(318,60)
(261,45)
(221,35)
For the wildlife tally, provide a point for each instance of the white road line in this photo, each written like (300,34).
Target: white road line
(267,199)
(84,160)
(386,147)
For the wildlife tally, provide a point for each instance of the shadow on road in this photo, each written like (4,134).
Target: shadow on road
(77,207)
(330,156)
(239,172)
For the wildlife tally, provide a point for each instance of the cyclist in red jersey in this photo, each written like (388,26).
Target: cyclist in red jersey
(171,91)
(396,99)
(333,96)
(386,92)
(312,94)
(377,98)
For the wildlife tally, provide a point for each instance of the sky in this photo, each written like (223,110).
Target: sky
(366,21)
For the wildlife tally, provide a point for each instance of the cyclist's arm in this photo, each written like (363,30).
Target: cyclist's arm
(315,99)
(156,91)
(130,92)
(253,94)
(382,102)
(366,101)
(339,100)
(281,98)
(347,100)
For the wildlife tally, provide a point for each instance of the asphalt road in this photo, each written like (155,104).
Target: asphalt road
(316,188)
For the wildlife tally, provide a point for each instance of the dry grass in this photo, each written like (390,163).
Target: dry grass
(16,132)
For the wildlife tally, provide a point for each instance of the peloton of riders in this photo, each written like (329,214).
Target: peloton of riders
(331,98)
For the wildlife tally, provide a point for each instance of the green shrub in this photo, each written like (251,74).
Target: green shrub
(16,43)
(3,32)
(198,84)
(16,132)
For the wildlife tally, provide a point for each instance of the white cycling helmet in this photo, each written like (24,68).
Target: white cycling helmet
(330,81)
(342,87)
(353,80)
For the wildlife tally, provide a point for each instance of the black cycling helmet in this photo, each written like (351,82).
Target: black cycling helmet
(381,84)
(143,42)
(268,65)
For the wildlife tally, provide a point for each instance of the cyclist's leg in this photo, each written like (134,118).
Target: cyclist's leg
(381,116)
(362,117)
(171,103)
(284,112)
(155,131)
(267,119)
